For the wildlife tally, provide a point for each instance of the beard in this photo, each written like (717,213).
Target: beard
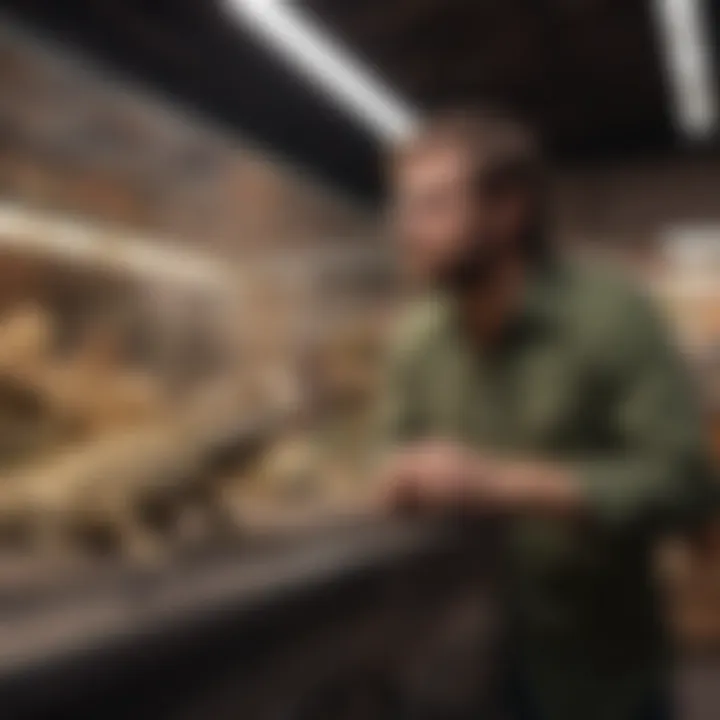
(473,268)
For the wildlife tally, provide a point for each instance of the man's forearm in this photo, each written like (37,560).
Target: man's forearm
(526,486)
(441,474)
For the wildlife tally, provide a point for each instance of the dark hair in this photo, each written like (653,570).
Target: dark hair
(504,153)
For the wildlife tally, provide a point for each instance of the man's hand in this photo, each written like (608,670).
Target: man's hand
(440,475)
(433,475)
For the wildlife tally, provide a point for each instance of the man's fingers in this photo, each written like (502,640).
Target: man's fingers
(433,474)
(395,489)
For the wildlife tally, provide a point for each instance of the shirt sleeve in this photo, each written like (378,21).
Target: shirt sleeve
(662,477)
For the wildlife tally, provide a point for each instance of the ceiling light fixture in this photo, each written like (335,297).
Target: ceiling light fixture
(683,27)
(327,64)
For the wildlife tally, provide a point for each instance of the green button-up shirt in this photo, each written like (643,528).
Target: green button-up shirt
(587,378)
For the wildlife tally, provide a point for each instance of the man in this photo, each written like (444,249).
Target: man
(532,387)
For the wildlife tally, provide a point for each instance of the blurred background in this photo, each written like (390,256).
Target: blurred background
(196,283)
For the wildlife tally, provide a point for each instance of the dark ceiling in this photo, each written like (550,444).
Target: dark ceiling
(587,71)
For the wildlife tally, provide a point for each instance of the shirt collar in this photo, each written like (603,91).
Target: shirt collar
(538,306)
(539,303)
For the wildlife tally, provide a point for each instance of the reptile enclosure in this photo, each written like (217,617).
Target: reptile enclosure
(367,621)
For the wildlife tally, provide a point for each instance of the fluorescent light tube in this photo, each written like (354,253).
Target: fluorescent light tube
(327,64)
(683,28)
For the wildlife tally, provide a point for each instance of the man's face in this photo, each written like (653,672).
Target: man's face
(445,223)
